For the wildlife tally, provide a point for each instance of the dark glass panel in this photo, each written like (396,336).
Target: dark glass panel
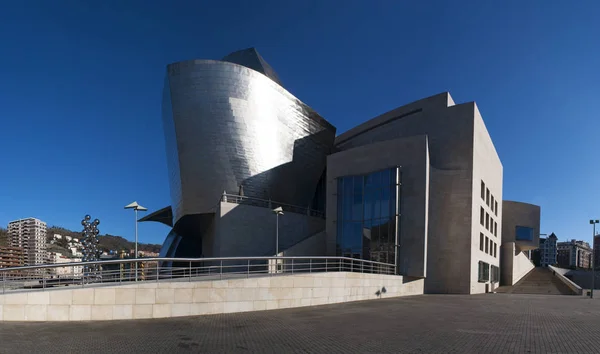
(357,207)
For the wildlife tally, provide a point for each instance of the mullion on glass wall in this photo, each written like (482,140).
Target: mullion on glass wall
(368,215)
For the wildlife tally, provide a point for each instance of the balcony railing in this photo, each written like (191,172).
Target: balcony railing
(265,203)
(127,271)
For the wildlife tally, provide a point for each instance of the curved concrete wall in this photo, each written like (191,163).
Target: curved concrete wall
(227,125)
(520,214)
(184,298)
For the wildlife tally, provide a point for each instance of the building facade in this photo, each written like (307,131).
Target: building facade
(548,251)
(30,235)
(520,235)
(574,254)
(63,272)
(419,187)
(11,257)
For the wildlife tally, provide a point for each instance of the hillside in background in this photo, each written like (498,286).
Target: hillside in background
(107,242)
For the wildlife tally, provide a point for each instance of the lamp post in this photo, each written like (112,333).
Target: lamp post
(135,206)
(593,222)
(278,211)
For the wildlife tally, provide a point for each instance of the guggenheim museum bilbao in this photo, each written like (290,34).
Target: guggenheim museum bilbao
(419,186)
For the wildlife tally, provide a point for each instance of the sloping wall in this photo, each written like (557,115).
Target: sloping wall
(185,298)
(514,267)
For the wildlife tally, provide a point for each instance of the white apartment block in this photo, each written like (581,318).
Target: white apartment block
(58,258)
(29,234)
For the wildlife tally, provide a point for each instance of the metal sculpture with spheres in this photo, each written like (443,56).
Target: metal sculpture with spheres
(89,241)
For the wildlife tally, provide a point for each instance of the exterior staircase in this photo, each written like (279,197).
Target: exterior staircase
(539,281)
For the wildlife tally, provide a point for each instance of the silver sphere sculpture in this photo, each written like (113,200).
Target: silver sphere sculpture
(89,241)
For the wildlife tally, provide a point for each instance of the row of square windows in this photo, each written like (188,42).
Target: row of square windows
(489,198)
(486,220)
(487,245)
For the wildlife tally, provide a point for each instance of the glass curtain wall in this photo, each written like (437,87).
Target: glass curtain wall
(367,215)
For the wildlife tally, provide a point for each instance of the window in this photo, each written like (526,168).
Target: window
(492,204)
(523,233)
(366,215)
(484,272)
(495,249)
(481,241)
(496,208)
(495,228)
(487,197)
(491,246)
(487,221)
(482,190)
(487,240)
(495,274)
(482,216)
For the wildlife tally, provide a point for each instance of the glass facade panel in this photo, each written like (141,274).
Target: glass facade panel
(367,215)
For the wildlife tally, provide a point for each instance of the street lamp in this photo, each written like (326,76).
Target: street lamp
(135,206)
(593,222)
(278,211)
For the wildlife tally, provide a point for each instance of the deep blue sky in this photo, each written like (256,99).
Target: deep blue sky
(80,90)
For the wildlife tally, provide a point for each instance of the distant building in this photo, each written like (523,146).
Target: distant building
(548,250)
(30,235)
(574,254)
(58,258)
(11,257)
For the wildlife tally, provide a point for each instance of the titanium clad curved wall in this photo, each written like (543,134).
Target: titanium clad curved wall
(234,126)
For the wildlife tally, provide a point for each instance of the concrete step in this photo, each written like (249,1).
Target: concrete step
(538,281)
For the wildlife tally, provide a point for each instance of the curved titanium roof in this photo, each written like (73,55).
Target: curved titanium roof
(229,125)
(251,59)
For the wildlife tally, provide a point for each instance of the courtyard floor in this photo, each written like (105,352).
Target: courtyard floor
(491,323)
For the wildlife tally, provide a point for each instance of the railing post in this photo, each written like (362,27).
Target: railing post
(352,266)
(310,265)
(3,282)
(340,260)
(292,266)
(190,271)
(362,266)
(157,271)
(325,264)
(248,274)
(221,270)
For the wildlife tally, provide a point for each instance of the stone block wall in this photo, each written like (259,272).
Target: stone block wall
(184,298)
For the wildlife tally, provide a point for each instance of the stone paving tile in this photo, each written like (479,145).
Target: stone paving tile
(492,323)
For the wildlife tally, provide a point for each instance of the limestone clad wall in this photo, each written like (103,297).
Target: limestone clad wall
(173,299)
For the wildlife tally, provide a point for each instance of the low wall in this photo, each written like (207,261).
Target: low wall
(560,274)
(521,267)
(173,299)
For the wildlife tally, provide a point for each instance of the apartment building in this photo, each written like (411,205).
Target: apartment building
(574,254)
(11,257)
(30,235)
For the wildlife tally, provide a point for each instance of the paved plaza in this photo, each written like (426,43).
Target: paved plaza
(492,323)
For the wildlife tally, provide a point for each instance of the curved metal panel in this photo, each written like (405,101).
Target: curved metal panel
(233,126)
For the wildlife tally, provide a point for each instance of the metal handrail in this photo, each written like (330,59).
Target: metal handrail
(238,199)
(180,269)
(194,260)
